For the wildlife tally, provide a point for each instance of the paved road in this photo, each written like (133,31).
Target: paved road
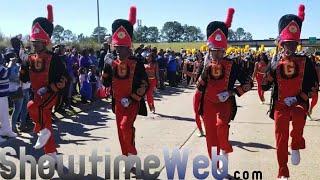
(251,134)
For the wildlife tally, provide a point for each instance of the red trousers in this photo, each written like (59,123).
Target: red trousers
(282,116)
(216,122)
(40,111)
(196,104)
(314,101)
(260,91)
(125,118)
(149,94)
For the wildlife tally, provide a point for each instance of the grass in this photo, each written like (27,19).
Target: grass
(174,46)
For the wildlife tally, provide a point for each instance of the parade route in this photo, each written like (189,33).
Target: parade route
(173,126)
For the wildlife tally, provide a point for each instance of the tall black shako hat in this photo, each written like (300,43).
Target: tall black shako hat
(290,26)
(217,32)
(122,30)
(42,28)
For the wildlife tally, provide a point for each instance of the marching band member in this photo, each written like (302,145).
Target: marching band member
(129,82)
(295,81)
(48,77)
(259,69)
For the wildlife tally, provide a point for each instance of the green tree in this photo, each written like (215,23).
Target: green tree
(153,34)
(231,35)
(68,36)
(192,34)
(172,32)
(1,36)
(103,33)
(140,34)
(144,34)
(57,34)
(240,35)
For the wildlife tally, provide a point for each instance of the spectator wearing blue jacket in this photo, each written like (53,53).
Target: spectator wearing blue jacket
(172,68)
(85,61)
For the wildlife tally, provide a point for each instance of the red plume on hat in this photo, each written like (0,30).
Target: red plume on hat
(42,28)
(133,15)
(122,30)
(301,12)
(50,13)
(217,32)
(229,19)
(290,26)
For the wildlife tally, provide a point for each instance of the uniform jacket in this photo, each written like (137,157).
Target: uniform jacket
(230,72)
(296,77)
(45,70)
(128,79)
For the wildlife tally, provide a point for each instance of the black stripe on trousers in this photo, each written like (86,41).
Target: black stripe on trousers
(41,108)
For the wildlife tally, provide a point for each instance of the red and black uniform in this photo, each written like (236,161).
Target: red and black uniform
(151,71)
(44,70)
(292,78)
(219,76)
(261,69)
(128,79)
(198,96)
(314,99)
(295,77)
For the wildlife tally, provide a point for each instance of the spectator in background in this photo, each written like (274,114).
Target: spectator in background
(85,86)
(105,50)
(85,61)
(19,103)
(172,68)
(71,60)
(15,89)
(93,78)
(93,58)
(6,129)
(162,63)
(179,68)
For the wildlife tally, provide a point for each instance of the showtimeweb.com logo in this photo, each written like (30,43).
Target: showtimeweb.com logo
(151,162)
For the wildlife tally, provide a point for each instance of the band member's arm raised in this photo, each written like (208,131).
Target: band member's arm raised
(310,84)
(246,82)
(107,75)
(140,84)
(58,75)
(268,78)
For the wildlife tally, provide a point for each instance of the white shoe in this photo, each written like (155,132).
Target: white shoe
(44,135)
(295,157)
(131,164)
(2,140)
(283,178)
(46,163)
(223,153)
(8,133)
(201,133)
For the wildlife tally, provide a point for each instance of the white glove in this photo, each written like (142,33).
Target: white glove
(290,100)
(223,96)
(23,55)
(108,58)
(125,102)
(42,91)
